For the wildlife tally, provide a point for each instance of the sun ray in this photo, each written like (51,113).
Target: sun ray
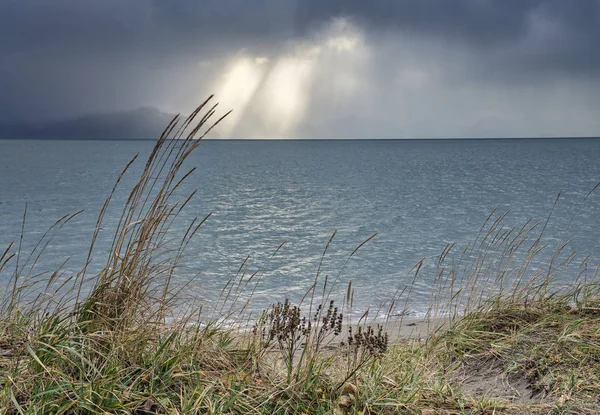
(237,88)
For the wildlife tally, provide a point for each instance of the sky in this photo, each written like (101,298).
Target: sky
(311,68)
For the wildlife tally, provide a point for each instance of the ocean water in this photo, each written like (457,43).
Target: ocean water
(418,196)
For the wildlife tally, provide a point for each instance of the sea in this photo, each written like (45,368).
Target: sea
(275,205)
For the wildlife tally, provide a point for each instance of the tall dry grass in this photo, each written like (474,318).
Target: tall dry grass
(109,342)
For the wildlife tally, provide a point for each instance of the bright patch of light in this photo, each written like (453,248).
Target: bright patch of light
(261,60)
(271,97)
(342,36)
(342,43)
(286,94)
(236,89)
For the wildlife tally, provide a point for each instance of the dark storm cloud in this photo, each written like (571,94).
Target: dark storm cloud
(113,26)
(477,23)
(68,57)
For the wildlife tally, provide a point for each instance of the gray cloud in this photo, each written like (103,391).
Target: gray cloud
(65,57)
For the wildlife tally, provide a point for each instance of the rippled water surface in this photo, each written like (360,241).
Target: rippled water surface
(417,195)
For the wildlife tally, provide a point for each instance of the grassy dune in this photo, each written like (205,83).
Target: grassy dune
(506,339)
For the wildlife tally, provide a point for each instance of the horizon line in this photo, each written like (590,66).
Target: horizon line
(310,139)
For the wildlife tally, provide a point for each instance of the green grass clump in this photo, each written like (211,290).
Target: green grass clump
(502,339)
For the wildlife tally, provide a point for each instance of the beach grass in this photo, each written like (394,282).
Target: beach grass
(500,335)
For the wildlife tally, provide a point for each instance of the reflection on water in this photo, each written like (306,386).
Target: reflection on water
(417,195)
